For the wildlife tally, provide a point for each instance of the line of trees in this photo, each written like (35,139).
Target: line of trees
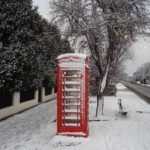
(29,46)
(142,74)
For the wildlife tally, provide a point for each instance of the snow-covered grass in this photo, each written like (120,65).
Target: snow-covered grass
(35,129)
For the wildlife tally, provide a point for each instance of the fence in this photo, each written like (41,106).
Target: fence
(18,105)
(45,97)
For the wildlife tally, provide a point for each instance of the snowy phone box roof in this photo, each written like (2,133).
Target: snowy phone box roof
(72,60)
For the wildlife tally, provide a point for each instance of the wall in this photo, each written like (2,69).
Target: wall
(44,97)
(18,107)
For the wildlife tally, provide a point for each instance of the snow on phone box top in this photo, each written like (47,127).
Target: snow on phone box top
(72,60)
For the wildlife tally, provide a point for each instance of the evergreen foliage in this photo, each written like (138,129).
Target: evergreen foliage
(15,36)
(54,46)
(29,45)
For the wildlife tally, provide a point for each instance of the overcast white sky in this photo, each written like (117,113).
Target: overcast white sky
(44,8)
(141,47)
(142,54)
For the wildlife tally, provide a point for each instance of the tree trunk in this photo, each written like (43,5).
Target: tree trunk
(102,84)
(99,98)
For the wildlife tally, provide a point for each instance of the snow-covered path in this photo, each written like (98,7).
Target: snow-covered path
(18,131)
(35,129)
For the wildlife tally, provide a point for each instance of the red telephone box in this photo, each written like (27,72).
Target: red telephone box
(72,95)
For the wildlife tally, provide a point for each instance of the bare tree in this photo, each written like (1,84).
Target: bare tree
(106,27)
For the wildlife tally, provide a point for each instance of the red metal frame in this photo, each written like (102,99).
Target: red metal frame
(72,104)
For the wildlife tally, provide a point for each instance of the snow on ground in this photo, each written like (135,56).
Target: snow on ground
(35,129)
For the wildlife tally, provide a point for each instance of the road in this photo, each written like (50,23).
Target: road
(140,89)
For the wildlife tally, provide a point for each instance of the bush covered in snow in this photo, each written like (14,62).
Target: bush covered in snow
(28,47)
